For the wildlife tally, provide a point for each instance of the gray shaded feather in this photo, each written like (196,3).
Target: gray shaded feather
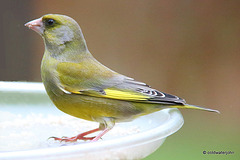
(155,96)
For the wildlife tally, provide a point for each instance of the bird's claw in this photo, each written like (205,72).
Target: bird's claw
(71,139)
(55,138)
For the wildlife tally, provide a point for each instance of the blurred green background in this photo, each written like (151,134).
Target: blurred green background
(187,48)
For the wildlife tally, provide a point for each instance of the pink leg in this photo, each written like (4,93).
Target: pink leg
(105,126)
(79,136)
(100,135)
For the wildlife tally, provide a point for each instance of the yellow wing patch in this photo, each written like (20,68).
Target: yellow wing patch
(114,94)
(124,95)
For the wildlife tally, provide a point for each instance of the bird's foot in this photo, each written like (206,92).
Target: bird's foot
(78,137)
(72,139)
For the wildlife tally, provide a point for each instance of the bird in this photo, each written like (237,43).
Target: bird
(82,87)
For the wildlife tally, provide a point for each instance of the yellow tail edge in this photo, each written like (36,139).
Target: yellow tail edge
(188,106)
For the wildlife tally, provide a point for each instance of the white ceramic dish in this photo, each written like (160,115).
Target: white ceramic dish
(21,100)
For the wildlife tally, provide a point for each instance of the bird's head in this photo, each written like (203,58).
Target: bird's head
(57,30)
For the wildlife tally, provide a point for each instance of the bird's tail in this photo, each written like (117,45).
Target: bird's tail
(188,106)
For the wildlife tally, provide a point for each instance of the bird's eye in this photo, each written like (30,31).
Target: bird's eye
(50,22)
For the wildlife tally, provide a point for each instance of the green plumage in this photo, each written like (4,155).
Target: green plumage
(81,86)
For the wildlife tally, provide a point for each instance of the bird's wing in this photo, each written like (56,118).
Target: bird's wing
(152,95)
(105,83)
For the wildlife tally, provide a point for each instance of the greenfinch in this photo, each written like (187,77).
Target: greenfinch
(82,87)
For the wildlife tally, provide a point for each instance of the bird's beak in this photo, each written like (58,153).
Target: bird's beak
(36,25)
